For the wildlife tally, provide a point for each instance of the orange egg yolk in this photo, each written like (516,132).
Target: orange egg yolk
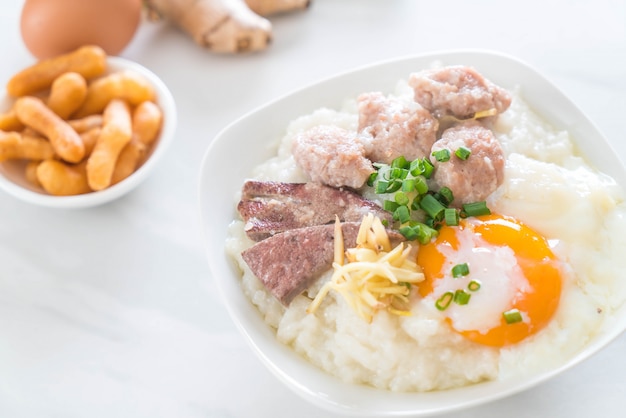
(514,267)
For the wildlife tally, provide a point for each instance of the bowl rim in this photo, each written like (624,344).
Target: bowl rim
(328,392)
(166,102)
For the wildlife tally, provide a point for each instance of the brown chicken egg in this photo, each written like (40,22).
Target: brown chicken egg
(53,27)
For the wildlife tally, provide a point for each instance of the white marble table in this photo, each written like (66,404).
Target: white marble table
(111,311)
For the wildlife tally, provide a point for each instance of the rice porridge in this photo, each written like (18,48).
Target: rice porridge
(546,185)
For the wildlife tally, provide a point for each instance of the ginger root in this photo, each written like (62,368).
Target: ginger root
(225,26)
(271,7)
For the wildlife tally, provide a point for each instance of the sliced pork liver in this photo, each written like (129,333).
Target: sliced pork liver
(289,263)
(269,208)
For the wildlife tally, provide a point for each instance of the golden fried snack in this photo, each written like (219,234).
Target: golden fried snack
(126,85)
(116,133)
(147,118)
(67,94)
(10,122)
(62,179)
(30,172)
(128,160)
(86,124)
(14,145)
(88,61)
(33,113)
(90,138)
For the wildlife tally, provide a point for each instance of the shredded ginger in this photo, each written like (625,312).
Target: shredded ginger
(372,276)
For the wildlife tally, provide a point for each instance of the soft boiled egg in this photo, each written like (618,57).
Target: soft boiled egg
(494,279)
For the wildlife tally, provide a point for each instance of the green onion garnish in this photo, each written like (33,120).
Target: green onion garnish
(442,155)
(445,195)
(372,178)
(420,185)
(408,185)
(512,316)
(400,162)
(412,200)
(402,214)
(381,186)
(409,233)
(476,209)
(415,205)
(451,216)
(425,233)
(463,152)
(394,186)
(461,297)
(432,206)
(401,198)
(444,301)
(473,286)
(421,167)
(390,205)
(460,270)
(428,168)
(398,173)
(418,231)
(416,168)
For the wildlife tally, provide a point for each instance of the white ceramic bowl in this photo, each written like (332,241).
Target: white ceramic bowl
(13,180)
(245,143)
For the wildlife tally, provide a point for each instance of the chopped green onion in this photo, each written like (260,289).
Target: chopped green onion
(416,168)
(398,173)
(445,195)
(444,301)
(418,231)
(461,297)
(441,155)
(421,167)
(415,205)
(400,162)
(463,152)
(402,214)
(420,185)
(425,233)
(474,285)
(394,186)
(390,205)
(428,168)
(432,206)
(372,178)
(451,216)
(512,316)
(381,186)
(409,233)
(476,209)
(460,270)
(401,198)
(408,185)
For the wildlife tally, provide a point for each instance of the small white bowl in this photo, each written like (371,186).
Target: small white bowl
(247,142)
(14,182)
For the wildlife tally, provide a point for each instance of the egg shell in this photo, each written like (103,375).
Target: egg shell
(53,27)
